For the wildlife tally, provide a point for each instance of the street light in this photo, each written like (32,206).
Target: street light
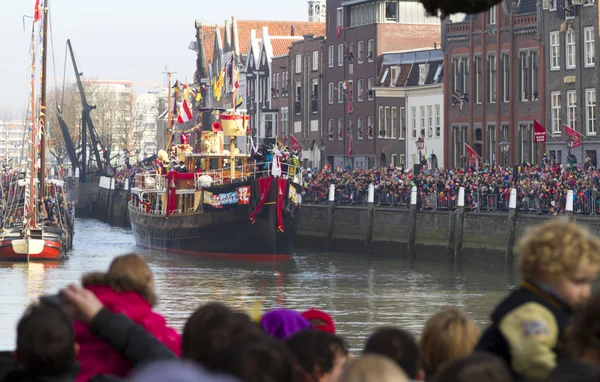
(505,147)
(420,145)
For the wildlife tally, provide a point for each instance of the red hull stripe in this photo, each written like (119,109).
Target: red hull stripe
(51,251)
(259,258)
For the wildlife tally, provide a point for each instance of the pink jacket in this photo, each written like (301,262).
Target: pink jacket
(96,356)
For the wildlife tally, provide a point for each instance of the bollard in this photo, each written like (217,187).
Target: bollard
(460,222)
(111,200)
(77,172)
(412,222)
(569,205)
(70,173)
(330,210)
(370,213)
(126,186)
(511,223)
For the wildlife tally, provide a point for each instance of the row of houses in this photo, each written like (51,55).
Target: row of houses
(380,83)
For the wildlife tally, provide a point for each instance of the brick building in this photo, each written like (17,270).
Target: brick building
(358,33)
(570,32)
(492,85)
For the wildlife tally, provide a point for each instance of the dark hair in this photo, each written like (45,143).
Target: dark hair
(584,333)
(477,367)
(263,361)
(212,333)
(398,345)
(315,351)
(46,340)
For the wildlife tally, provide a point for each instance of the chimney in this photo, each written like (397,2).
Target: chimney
(227,42)
(235,37)
(292,30)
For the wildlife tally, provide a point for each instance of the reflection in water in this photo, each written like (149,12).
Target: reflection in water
(360,292)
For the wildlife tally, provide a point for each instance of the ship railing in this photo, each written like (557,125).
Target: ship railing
(150,182)
(288,171)
(222,176)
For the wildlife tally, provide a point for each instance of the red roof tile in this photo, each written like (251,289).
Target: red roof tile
(276,28)
(281,46)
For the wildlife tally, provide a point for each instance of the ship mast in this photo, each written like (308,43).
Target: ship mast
(167,130)
(232,139)
(43,116)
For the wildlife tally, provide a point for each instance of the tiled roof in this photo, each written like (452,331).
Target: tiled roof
(409,68)
(281,45)
(276,28)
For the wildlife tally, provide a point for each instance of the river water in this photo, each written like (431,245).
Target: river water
(361,292)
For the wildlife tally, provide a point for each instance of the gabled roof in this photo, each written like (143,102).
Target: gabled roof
(409,63)
(281,44)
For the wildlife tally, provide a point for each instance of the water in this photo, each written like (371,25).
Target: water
(360,292)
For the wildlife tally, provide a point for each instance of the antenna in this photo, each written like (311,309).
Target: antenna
(165,76)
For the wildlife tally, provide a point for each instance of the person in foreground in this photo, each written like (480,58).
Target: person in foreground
(559,261)
(46,347)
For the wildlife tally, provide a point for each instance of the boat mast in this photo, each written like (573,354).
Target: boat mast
(31,207)
(167,130)
(232,139)
(43,117)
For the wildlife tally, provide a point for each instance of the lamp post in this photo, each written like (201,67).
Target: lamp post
(505,147)
(420,145)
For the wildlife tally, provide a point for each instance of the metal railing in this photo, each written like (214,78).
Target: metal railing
(150,182)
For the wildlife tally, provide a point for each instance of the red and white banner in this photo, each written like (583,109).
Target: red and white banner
(185,113)
(539,132)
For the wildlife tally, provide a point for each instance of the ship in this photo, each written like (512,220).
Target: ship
(227,206)
(37,223)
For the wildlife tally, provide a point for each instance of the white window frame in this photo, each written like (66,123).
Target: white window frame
(381,124)
(572,109)
(589,47)
(330,92)
(392,119)
(359,90)
(359,53)
(491,19)
(554,50)
(298,66)
(370,90)
(330,132)
(315,60)
(340,92)
(340,59)
(339,17)
(371,50)
(331,57)
(370,125)
(571,51)
(492,88)
(340,129)
(359,128)
(429,121)
(555,101)
(438,121)
(423,119)
(423,69)
(590,111)
(413,121)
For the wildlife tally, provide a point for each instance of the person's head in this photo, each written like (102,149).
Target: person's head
(322,355)
(398,345)
(563,255)
(584,334)
(46,340)
(373,368)
(319,320)
(177,371)
(282,323)
(448,334)
(267,360)
(477,367)
(213,331)
(130,273)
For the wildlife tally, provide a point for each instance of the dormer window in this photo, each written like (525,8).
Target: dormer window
(391,11)
(423,70)
(395,72)
(492,16)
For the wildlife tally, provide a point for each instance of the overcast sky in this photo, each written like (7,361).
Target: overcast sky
(128,40)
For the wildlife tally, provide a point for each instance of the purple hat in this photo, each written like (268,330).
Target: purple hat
(178,371)
(282,323)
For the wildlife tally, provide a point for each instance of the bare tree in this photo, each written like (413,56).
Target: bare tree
(70,105)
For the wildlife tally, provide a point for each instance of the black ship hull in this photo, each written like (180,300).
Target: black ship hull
(222,233)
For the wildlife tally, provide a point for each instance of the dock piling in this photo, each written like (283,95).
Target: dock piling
(511,224)
(412,222)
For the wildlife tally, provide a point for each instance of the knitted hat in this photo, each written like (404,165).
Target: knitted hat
(282,323)
(319,316)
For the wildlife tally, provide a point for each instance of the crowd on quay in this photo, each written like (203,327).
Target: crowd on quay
(540,188)
(105,329)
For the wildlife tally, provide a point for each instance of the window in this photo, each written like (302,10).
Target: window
(430,121)
(370,127)
(588,47)
(388,122)
(370,50)
(275,89)
(330,93)
(370,88)
(402,124)
(395,72)
(350,90)
(381,122)
(570,49)
(330,58)
(590,111)
(391,11)
(505,78)
(423,69)
(555,99)
(298,64)
(478,82)
(491,147)
(314,99)
(523,65)
(359,53)
(315,60)
(340,17)
(572,109)
(340,129)
(298,98)
(359,90)
(491,79)
(330,129)
(284,121)
(340,92)
(438,121)
(340,55)
(460,68)
(392,119)
(554,50)
(350,59)
(533,79)
(492,16)
(359,128)
(413,121)
(423,120)
(552,5)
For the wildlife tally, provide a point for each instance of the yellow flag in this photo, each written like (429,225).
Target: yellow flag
(198,97)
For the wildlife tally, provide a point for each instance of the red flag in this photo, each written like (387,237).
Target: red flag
(539,133)
(473,156)
(185,113)
(37,12)
(573,136)
(295,143)
(339,31)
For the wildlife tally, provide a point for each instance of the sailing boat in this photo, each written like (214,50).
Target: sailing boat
(36,222)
